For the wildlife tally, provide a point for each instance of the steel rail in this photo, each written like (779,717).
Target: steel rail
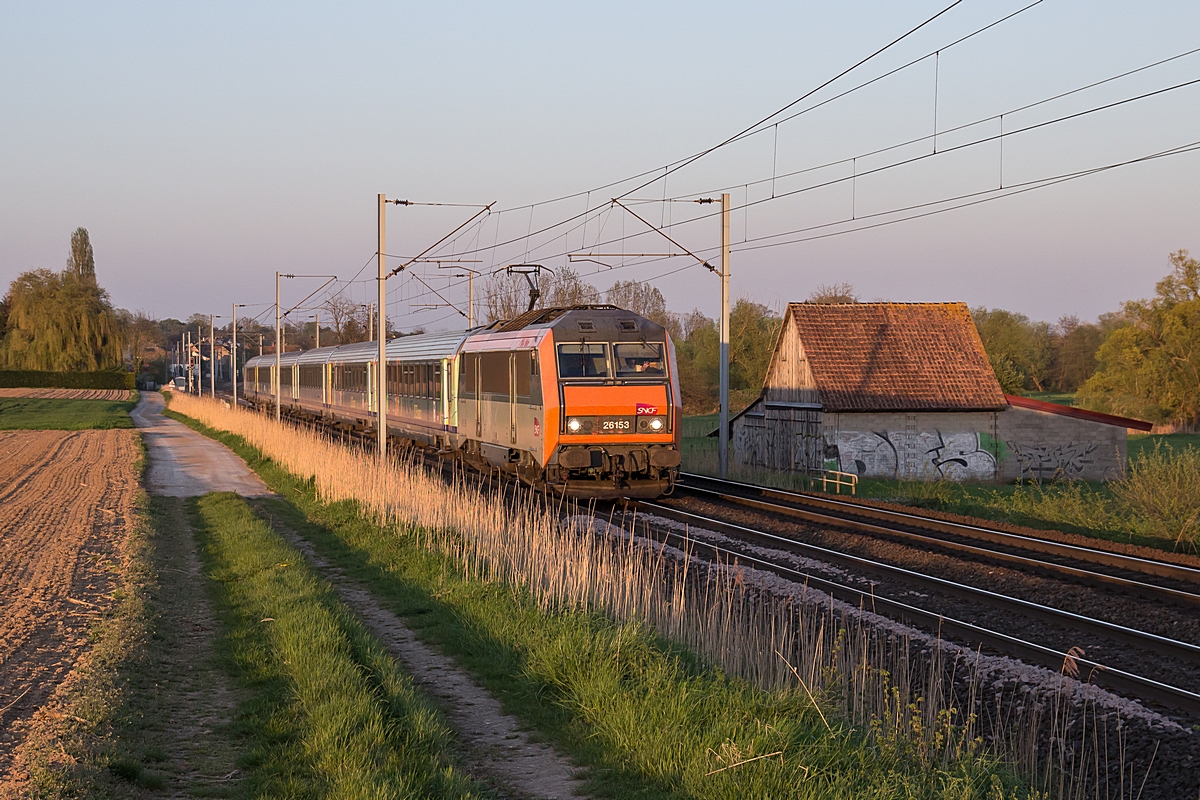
(1148,590)
(1150,641)
(1148,566)
(1110,677)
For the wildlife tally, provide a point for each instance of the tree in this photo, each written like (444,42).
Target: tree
(142,338)
(82,262)
(1020,351)
(1074,353)
(753,329)
(836,293)
(62,321)
(1150,367)
(349,319)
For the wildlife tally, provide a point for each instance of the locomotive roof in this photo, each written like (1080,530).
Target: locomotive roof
(596,322)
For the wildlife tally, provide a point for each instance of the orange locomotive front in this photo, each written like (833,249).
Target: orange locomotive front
(584,400)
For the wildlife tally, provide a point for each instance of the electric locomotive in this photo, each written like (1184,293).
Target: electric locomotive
(583,400)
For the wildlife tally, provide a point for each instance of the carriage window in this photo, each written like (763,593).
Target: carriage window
(583,360)
(640,360)
(466,381)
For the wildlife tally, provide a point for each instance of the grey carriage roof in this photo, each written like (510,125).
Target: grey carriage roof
(422,347)
(426,346)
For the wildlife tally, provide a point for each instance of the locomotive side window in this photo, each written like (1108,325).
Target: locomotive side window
(639,360)
(521,374)
(582,360)
(493,373)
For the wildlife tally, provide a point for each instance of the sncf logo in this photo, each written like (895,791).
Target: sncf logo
(644,410)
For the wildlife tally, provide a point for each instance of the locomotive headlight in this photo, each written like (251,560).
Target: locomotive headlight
(651,424)
(573,425)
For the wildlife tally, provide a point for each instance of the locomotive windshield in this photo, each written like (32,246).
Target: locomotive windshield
(639,360)
(584,360)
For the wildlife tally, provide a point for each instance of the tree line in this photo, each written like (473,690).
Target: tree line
(1141,361)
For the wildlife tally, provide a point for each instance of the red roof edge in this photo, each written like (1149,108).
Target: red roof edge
(1078,413)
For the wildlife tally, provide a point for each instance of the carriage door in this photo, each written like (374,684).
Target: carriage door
(512,398)
(476,360)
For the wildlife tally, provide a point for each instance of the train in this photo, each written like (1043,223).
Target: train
(582,400)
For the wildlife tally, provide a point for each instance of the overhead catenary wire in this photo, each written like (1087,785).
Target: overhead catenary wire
(673,166)
(918,139)
(928,155)
(586,214)
(996,194)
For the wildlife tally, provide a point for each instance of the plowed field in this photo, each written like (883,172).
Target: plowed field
(67,394)
(66,505)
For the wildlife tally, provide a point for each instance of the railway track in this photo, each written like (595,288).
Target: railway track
(750,545)
(1089,566)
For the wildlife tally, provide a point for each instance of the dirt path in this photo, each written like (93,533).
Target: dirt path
(497,749)
(182,463)
(179,702)
(67,394)
(66,505)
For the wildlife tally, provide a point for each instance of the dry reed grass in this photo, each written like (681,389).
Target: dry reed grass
(918,700)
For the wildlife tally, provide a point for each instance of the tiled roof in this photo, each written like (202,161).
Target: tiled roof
(897,357)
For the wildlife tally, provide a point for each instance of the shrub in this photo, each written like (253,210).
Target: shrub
(1162,489)
(39,379)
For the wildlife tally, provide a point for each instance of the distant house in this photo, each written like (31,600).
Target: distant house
(905,390)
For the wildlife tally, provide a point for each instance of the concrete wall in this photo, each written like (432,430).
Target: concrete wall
(980,446)
(1044,445)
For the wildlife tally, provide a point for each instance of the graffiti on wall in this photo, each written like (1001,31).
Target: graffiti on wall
(1043,461)
(911,454)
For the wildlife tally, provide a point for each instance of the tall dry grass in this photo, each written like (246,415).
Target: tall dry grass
(918,699)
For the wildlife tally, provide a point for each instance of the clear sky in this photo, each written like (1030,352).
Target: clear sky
(207,145)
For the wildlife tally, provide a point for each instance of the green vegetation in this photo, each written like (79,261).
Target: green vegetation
(64,415)
(1150,367)
(331,714)
(60,321)
(647,718)
(40,379)
(1140,443)
(1059,398)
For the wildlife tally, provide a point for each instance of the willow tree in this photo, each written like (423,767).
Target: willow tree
(61,321)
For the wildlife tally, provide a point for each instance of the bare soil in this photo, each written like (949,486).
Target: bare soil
(67,394)
(66,508)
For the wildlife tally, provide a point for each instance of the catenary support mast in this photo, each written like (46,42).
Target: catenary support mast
(723,441)
(381,371)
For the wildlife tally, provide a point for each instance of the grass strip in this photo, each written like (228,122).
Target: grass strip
(645,716)
(23,414)
(332,715)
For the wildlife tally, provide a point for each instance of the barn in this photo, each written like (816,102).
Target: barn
(905,390)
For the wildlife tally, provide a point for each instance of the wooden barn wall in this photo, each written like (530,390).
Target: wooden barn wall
(789,378)
(782,439)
